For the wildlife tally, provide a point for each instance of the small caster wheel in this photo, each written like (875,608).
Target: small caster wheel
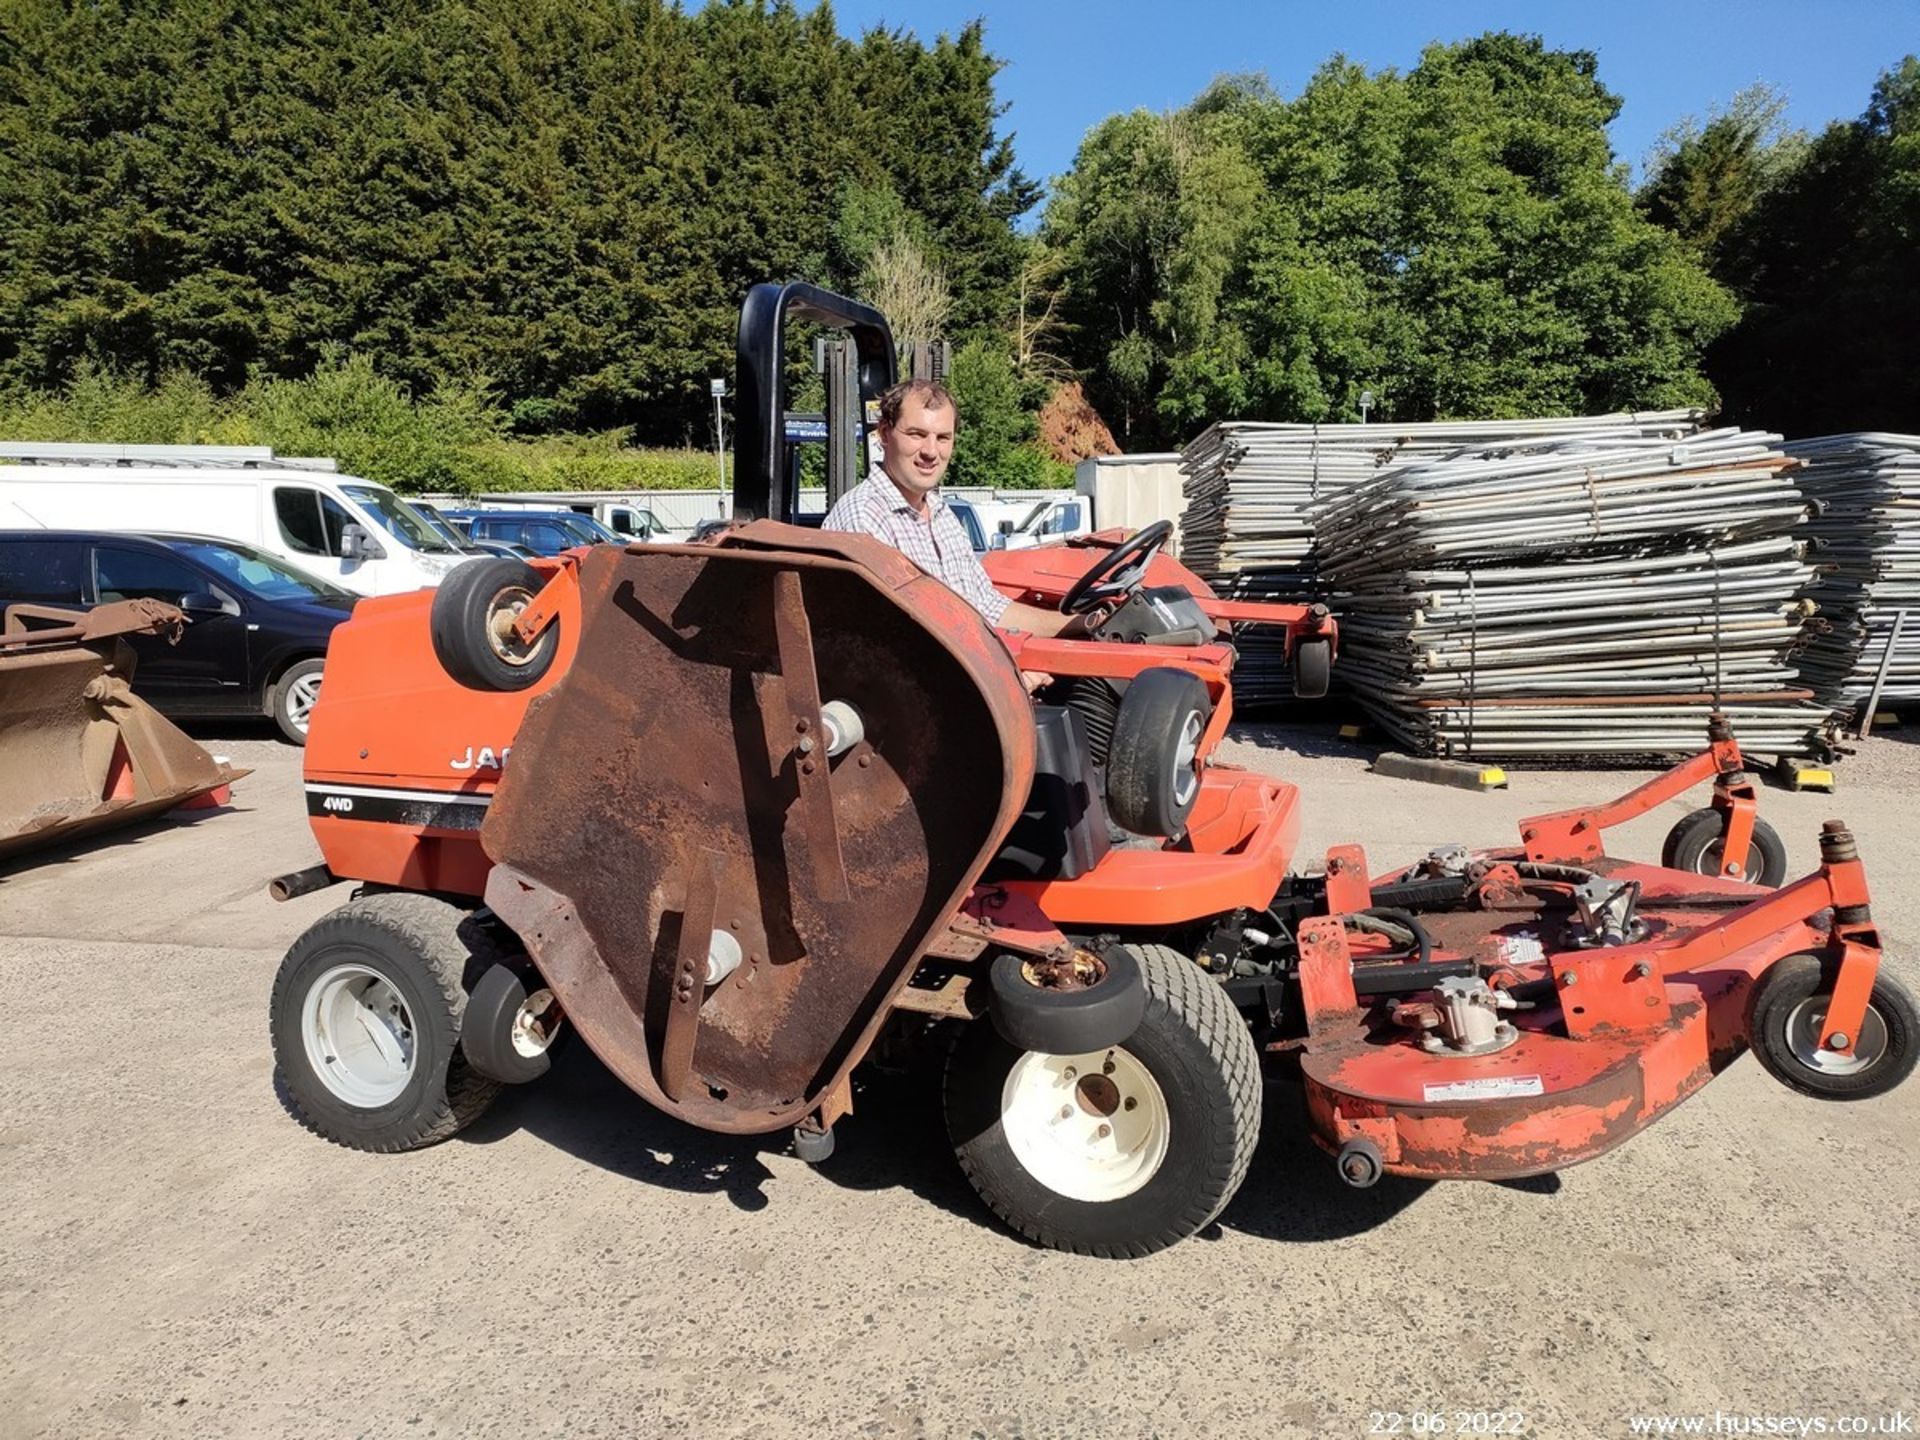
(1693,845)
(1312,669)
(1787,1011)
(471,626)
(1360,1163)
(812,1146)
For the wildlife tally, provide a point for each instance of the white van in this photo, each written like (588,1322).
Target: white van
(353,532)
(1055,518)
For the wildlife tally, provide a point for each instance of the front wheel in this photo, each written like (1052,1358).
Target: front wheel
(1123,1150)
(1788,1010)
(365,1020)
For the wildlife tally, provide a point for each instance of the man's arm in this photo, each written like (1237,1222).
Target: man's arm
(1049,624)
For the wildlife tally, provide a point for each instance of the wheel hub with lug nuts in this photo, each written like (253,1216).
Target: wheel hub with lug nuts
(501,619)
(1092,1127)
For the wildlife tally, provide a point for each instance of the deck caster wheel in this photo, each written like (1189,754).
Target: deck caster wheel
(365,1022)
(1785,1015)
(1122,1150)
(1693,845)
(813,1146)
(1312,669)
(511,1022)
(471,625)
(1360,1163)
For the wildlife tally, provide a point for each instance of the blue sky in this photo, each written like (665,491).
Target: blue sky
(1071,63)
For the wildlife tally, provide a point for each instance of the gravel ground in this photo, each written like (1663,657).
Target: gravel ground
(177,1257)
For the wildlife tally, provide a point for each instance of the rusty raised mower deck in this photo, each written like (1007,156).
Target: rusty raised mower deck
(702,810)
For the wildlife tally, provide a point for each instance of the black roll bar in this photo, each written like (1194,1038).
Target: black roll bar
(763,487)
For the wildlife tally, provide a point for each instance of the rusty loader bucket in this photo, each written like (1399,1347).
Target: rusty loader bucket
(788,754)
(79,752)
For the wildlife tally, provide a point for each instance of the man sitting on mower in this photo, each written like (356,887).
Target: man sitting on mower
(900,503)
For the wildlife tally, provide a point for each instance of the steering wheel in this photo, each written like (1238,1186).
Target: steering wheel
(1118,571)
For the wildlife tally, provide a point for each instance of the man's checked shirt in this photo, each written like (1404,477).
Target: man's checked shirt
(937,544)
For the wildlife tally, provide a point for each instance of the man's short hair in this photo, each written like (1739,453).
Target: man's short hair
(930,393)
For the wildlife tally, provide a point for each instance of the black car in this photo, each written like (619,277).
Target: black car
(257,629)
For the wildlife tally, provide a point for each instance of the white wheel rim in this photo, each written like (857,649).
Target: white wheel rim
(502,615)
(359,1036)
(1090,1127)
(1186,779)
(1806,1021)
(535,1024)
(300,699)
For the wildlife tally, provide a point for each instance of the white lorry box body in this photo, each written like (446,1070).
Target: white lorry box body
(1134,491)
(353,532)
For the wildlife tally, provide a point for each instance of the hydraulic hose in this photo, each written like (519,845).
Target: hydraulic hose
(1394,923)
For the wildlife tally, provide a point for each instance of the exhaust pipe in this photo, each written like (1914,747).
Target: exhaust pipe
(301,882)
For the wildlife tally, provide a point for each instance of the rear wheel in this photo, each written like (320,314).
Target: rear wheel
(1123,1150)
(1153,764)
(1695,844)
(472,621)
(1788,1010)
(294,696)
(365,1020)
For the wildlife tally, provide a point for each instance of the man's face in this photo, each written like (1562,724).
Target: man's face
(917,450)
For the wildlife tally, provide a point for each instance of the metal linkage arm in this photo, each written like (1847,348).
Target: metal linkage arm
(1572,837)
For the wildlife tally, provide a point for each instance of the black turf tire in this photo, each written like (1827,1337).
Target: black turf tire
(425,948)
(1197,1048)
(1693,845)
(1786,987)
(282,697)
(1068,1022)
(1144,783)
(486,1030)
(1312,669)
(462,608)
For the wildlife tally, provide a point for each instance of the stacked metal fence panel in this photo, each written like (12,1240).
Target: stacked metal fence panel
(1864,527)
(1586,595)
(1254,491)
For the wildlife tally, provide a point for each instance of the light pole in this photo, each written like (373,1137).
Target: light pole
(719,391)
(1366,404)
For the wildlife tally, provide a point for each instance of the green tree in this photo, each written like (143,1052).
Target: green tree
(1829,263)
(1457,240)
(1703,181)
(558,201)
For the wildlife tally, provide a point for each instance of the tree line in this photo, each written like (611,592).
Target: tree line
(1460,242)
(545,213)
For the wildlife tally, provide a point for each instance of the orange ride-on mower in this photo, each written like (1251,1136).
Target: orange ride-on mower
(735,811)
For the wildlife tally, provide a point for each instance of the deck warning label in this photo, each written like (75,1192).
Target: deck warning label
(1493,1087)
